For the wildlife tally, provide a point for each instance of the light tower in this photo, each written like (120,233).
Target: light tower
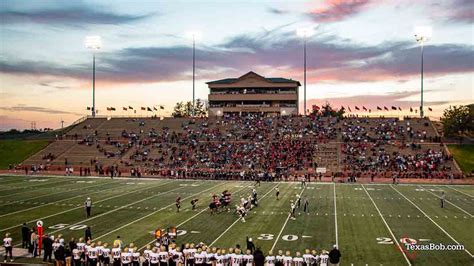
(194,35)
(304,33)
(422,35)
(93,43)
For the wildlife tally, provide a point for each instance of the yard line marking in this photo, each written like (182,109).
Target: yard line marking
(466,212)
(45,195)
(80,206)
(444,231)
(154,212)
(122,207)
(232,225)
(56,202)
(283,227)
(460,191)
(335,215)
(388,227)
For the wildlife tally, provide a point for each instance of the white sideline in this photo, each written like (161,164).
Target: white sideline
(68,210)
(232,225)
(388,227)
(189,219)
(460,191)
(154,212)
(466,212)
(335,216)
(49,203)
(284,225)
(444,231)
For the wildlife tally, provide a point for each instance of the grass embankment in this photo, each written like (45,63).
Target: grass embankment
(15,151)
(464,156)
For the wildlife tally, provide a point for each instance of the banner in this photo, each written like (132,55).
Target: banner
(39,226)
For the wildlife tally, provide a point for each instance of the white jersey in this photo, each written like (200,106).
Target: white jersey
(164,256)
(81,247)
(105,252)
(76,254)
(220,260)
(92,253)
(308,259)
(146,254)
(248,260)
(178,257)
(236,259)
(192,253)
(56,246)
(154,258)
(209,258)
(126,257)
(116,253)
(199,258)
(324,260)
(7,242)
(270,260)
(99,250)
(279,258)
(298,261)
(287,260)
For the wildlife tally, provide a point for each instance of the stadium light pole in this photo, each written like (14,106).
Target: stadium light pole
(422,35)
(194,35)
(304,33)
(93,43)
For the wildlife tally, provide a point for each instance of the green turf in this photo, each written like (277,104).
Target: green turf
(16,151)
(367,215)
(464,156)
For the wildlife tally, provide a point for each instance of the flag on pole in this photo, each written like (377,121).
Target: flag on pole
(378,108)
(109,109)
(385,108)
(429,108)
(143,109)
(148,109)
(154,108)
(129,107)
(349,108)
(162,107)
(363,107)
(112,108)
(399,108)
(357,108)
(394,108)
(125,108)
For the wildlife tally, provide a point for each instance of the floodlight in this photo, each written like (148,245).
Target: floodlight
(93,42)
(423,33)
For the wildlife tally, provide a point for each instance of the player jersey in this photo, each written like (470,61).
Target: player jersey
(308,259)
(7,242)
(298,261)
(192,253)
(146,254)
(105,252)
(56,246)
(220,260)
(99,250)
(126,258)
(270,260)
(199,258)
(287,261)
(76,254)
(279,258)
(154,258)
(81,247)
(92,253)
(236,259)
(209,258)
(177,257)
(164,256)
(116,253)
(323,260)
(248,260)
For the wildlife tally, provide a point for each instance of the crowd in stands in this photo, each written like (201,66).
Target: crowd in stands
(241,147)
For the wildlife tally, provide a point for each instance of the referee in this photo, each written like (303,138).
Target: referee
(443,196)
(88,207)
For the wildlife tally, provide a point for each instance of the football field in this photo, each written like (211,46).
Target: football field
(369,222)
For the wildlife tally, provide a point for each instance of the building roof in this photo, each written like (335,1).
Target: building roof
(251,73)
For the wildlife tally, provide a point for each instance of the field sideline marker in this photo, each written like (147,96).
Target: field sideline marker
(444,231)
(232,225)
(388,227)
(284,225)
(449,202)
(68,210)
(154,212)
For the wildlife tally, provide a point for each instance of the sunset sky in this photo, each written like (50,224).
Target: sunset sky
(363,52)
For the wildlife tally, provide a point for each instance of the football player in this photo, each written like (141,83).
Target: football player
(324,258)
(105,254)
(298,260)
(116,254)
(270,259)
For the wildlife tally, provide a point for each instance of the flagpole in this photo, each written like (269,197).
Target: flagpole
(194,72)
(421,105)
(93,84)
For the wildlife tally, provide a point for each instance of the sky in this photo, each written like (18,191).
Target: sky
(362,52)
